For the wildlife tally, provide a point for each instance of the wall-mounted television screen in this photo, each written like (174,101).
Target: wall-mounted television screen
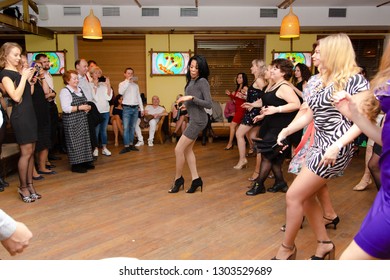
(295,57)
(169,63)
(57,61)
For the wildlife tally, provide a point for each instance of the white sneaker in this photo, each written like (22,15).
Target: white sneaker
(150,143)
(96,153)
(106,152)
(139,143)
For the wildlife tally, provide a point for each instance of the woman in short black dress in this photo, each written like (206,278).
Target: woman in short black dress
(22,118)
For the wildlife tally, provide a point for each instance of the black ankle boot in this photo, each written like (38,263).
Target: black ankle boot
(279,187)
(3,183)
(257,188)
(195,185)
(177,185)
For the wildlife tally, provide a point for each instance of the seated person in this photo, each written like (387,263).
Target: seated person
(116,117)
(153,113)
(230,110)
(179,116)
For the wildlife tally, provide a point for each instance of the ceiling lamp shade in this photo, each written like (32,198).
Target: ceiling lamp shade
(290,26)
(92,28)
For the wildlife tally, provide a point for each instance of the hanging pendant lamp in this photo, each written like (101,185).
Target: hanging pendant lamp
(92,28)
(290,26)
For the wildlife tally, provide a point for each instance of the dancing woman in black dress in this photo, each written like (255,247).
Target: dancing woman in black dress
(23,118)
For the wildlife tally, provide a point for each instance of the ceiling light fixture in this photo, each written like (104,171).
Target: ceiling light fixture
(92,28)
(290,26)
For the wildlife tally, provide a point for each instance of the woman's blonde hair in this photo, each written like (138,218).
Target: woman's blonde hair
(262,67)
(338,60)
(5,50)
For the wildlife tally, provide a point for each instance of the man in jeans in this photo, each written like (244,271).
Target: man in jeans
(131,103)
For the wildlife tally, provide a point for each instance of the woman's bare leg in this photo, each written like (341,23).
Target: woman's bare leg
(354,252)
(241,144)
(181,152)
(232,132)
(300,200)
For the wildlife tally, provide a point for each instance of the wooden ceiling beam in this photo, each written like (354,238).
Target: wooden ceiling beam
(27,27)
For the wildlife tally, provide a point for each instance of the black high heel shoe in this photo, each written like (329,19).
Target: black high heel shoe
(195,185)
(293,256)
(177,185)
(25,198)
(328,255)
(333,222)
(33,194)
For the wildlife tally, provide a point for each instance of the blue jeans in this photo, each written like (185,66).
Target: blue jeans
(129,118)
(101,128)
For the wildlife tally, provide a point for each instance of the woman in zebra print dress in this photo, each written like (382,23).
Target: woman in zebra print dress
(332,149)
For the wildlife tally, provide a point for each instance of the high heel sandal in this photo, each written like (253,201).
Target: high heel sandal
(177,185)
(250,153)
(293,256)
(195,185)
(241,165)
(253,179)
(33,194)
(329,255)
(25,198)
(333,222)
(229,148)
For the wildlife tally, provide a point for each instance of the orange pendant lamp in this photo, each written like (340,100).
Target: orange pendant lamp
(290,26)
(92,28)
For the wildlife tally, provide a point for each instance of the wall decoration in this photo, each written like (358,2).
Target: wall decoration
(296,57)
(57,61)
(169,63)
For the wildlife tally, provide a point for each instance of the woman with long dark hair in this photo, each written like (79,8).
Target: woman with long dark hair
(197,98)
(239,97)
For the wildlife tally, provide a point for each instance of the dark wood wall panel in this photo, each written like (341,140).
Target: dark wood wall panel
(113,55)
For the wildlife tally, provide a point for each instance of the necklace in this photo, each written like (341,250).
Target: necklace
(276,85)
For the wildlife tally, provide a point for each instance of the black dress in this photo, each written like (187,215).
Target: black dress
(273,124)
(23,120)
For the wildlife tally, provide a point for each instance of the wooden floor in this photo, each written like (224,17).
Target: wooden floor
(123,209)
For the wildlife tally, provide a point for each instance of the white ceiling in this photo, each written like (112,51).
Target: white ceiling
(216,3)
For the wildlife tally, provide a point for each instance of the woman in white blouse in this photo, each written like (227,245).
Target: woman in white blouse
(101,96)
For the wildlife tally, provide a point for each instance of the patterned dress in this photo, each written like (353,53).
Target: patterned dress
(254,94)
(299,158)
(329,126)
(76,130)
(374,234)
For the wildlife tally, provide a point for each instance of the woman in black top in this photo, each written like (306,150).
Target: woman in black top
(280,105)
(23,118)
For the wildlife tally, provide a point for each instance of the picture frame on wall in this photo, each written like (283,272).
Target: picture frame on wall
(169,63)
(56,58)
(295,56)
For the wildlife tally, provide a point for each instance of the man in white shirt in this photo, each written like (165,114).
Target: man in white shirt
(131,103)
(81,66)
(153,113)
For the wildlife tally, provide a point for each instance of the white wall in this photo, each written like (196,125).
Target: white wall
(227,18)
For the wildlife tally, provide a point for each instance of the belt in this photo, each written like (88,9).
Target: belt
(131,106)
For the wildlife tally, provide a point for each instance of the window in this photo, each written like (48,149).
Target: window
(227,57)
